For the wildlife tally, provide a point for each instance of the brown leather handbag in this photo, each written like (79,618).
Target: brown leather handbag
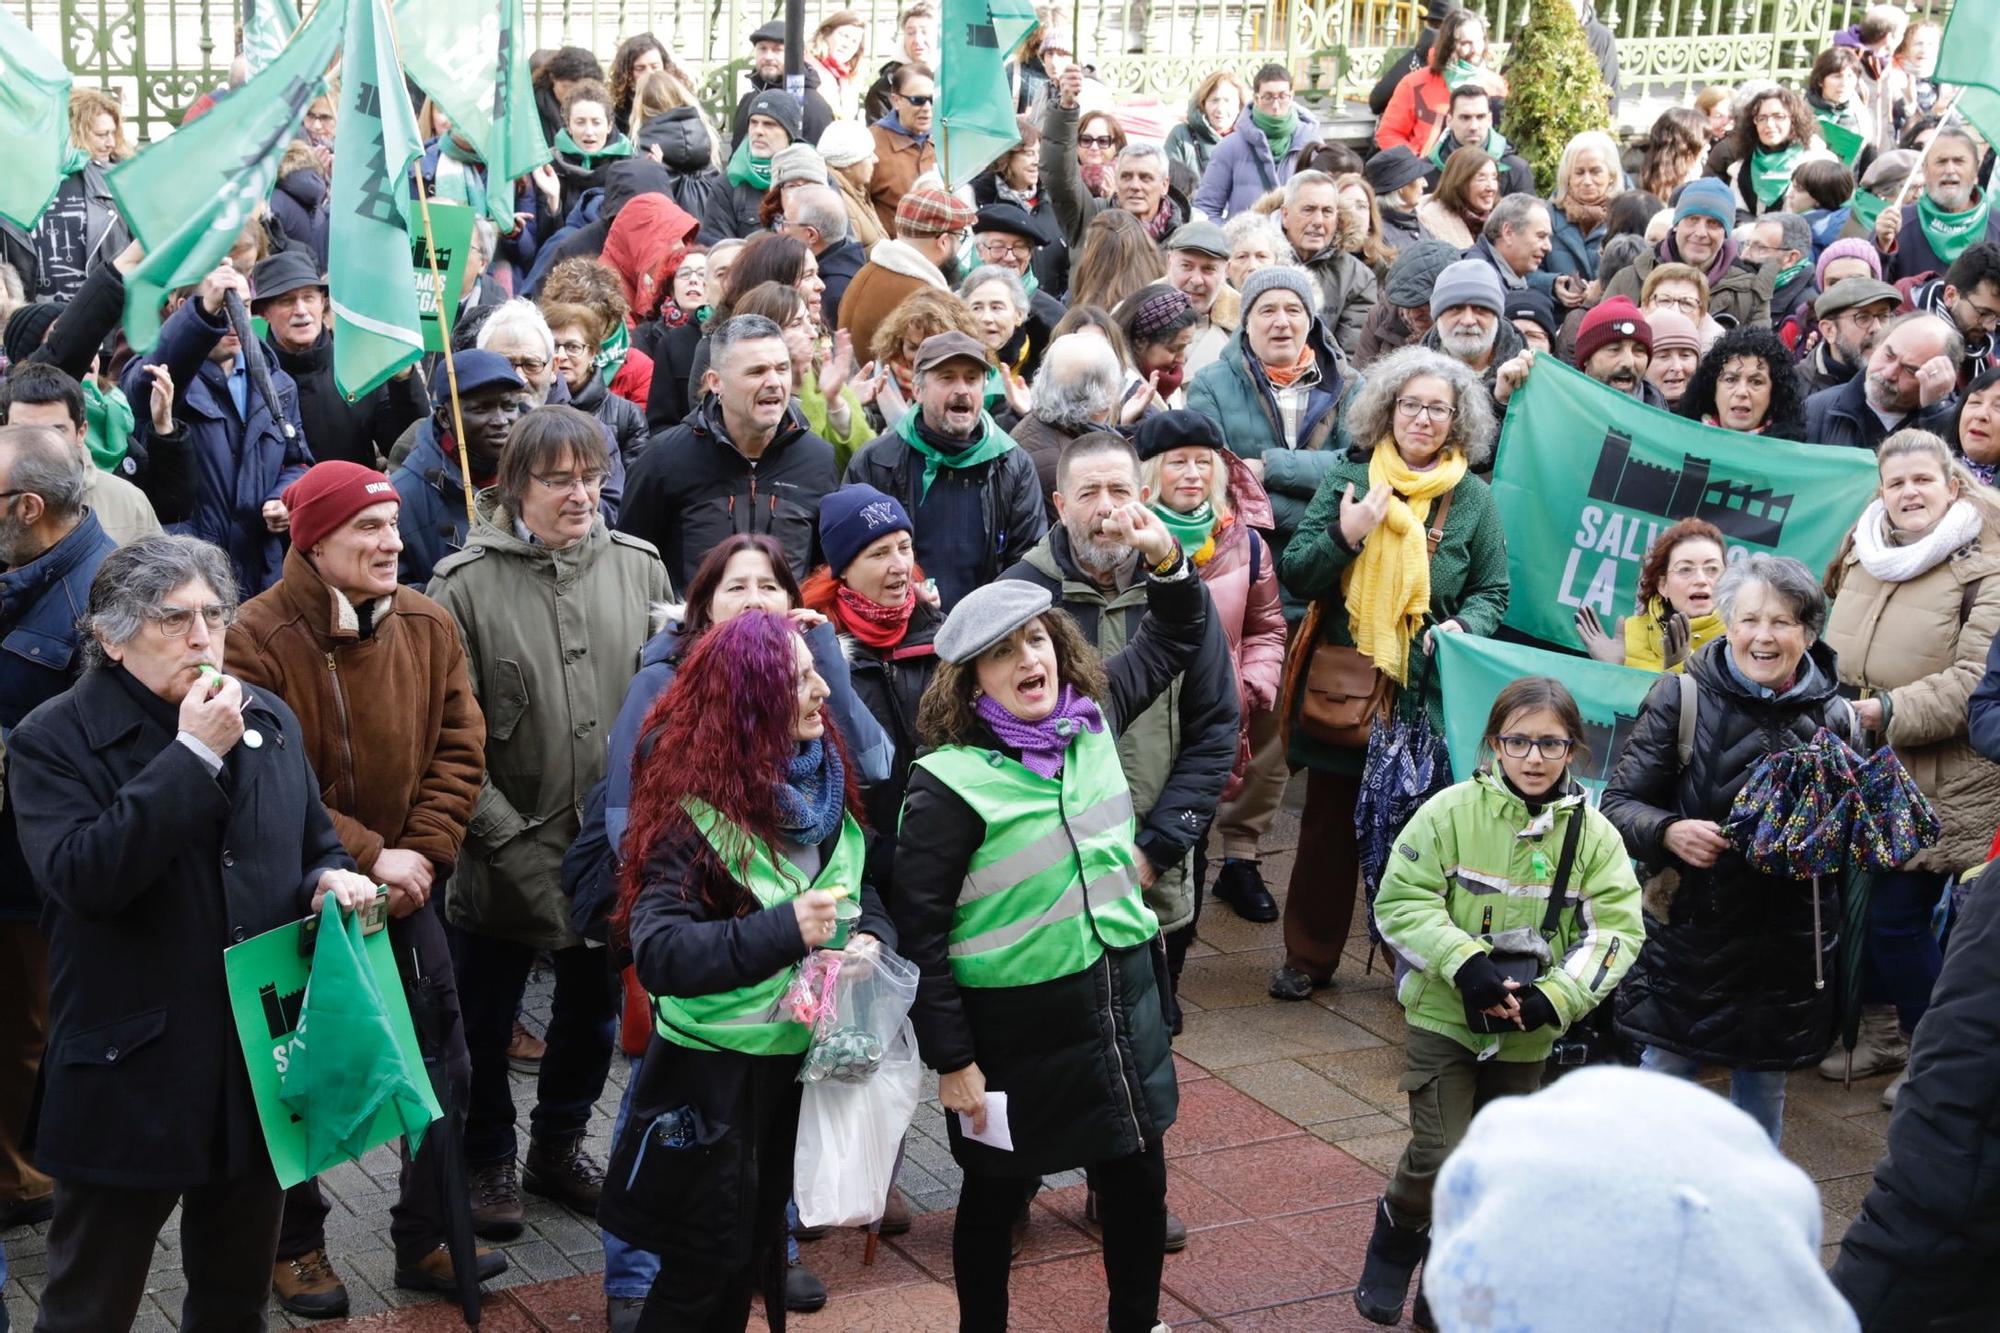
(1333,693)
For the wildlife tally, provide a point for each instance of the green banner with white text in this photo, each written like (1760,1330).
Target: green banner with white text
(1587,477)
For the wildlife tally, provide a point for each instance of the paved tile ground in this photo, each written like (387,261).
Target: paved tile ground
(1290,1117)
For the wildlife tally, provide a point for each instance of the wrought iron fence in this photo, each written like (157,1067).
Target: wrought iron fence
(159,55)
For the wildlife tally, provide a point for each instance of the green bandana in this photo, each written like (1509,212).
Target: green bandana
(1496,147)
(747,170)
(611,353)
(1951,234)
(620,146)
(992,443)
(1461,72)
(1785,275)
(1277,130)
(1770,173)
(107,424)
(1192,530)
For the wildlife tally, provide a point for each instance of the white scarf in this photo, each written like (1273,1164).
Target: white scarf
(1900,564)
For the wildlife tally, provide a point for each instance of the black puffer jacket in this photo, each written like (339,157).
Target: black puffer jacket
(687,151)
(1727,978)
(622,417)
(362,431)
(890,682)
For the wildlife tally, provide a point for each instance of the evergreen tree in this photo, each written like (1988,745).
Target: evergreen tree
(1555,90)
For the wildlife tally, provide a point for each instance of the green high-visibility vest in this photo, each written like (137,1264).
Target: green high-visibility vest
(1057,878)
(750,1019)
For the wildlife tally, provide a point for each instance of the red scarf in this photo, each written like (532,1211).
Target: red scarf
(876,625)
(1284,377)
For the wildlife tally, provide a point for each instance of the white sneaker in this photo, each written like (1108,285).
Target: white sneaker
(1889,1093)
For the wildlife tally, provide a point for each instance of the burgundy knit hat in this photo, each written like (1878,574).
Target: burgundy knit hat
(329,494)
(1614,319)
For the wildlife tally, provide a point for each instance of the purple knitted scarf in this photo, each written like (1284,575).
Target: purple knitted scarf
(1042,743)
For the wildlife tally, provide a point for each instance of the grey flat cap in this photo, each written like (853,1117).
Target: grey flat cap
(987,615)
(1201,237)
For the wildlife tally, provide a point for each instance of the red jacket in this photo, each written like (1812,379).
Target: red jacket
(648,232)
(1417,112)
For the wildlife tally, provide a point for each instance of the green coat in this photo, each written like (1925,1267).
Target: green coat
(1468,584)
(552,639)
(1464,870)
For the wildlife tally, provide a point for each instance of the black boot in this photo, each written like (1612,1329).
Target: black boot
(1420,1313)
(1393,1255)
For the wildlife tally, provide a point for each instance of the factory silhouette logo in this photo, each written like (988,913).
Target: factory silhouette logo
(1741,510)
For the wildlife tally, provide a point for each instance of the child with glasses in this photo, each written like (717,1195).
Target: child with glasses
(1510,908)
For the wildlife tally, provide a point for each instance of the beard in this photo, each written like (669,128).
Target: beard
(1099,556)
(1881,393)
(950,269)
(1952,199)
(1468,347)
(14,541)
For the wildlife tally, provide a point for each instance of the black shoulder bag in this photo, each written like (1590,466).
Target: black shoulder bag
(1519,965)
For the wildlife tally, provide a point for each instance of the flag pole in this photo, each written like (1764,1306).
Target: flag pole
(1950,113)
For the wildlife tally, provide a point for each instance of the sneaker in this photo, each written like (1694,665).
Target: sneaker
(621,1313)
(1241,885)
(896,1215)
(560,1169)
(308,1287)
(434,1272)
(1889,1093)
(495,1188)
(804,1293)
(525,1051)
(1289,983)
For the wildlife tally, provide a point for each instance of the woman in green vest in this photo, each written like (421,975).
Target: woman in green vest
(1018,897)
(743,839)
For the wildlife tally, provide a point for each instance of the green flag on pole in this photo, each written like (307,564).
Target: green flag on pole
(1473,671)
(1845,143)
(188,196)
(34,123)
(1967,57)
(368,235)
(267,26)
(975,106)
(471,56)
(1587,477)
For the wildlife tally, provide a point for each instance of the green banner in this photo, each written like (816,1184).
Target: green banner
(1845,143)
(1967,58)
(472,57)
(1473,671)
(266,976)
(451,235)
(1587,477)
(34,123)
(368,231)
(975,107)
(267,26)
(188,196)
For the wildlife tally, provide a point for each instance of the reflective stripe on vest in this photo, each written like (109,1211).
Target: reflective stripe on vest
(749,1019)
(1056,879)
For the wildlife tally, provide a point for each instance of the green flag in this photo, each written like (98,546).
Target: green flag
(975,107)
(368,235)
(1981,106)
(1473,671)
(1967,57)
(472,57)
(267,26)
(188,195)
(1845,143)
(34,123)
(1587,477)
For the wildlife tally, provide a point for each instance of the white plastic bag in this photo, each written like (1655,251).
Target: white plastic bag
(849,1135)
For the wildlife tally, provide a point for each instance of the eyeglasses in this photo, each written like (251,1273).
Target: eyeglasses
(1549,747)
(1987,319)
(562,485)
(1687,569)
(176,621)
(1279,98)
(1775,118)
(528,365)
(920,99)
(1000,247)
(1687,305)
(1412,408)
(572,348)
(1096,141)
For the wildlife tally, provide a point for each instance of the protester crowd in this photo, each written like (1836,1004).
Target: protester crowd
(791,532)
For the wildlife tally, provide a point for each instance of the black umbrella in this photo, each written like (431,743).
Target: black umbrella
(442,1143)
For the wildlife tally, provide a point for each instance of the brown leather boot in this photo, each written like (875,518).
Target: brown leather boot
(560,1169)
(496,1200)
(308,1287)
(896,1214)
(434,1272)
(525,1050)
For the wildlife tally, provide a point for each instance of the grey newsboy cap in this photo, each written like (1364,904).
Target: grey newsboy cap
(1201,237)
(987,615)
(1281,277)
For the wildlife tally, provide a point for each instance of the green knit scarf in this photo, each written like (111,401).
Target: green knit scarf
(1278,130)
(1193,530)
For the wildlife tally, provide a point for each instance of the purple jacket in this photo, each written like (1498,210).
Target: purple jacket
(1241,172)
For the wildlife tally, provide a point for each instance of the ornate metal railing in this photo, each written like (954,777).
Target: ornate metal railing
(161,54)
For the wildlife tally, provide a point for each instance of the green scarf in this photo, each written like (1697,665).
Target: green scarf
(1278,130)
(1461,72)
(1770,173)
(1867,207)
(747,170)
(1192,530)
(1496,147)
(620,146)
(1785,275)
(107,424)
(460,176)
(1951,234)
(992,443)
(611,353)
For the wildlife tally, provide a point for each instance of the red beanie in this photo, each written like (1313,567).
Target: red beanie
(328,495)
(1611,321)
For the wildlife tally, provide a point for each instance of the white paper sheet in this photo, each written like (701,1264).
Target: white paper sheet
(997,1134)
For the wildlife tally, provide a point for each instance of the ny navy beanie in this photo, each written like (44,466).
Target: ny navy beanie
(852,519)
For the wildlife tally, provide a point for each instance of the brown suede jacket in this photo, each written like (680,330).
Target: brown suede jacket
(391,726)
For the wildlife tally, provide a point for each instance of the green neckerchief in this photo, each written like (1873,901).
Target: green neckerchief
(1278,130)
(1951,234)
(1496,147)
(992,443)
(1461,72)
(460,176)
(1031,280)
(620,146)
(611,353)
(1785,275)
(1770,173)
(74,160)
(1191,530)
(107,424)
(747,170)
(1867,206)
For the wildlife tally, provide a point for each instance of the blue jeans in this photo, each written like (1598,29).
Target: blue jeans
(1759,1092)
(1903,955)
(628,1270)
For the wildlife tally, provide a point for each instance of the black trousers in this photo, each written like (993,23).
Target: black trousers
(101,1243)
(583,1027)
(416,1219)
(1132,1207)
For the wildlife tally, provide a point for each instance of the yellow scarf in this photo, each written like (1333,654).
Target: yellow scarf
(1388,587)
(1645,635)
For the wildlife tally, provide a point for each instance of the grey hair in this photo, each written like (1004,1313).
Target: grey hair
(738,329)
(518,316)
(133,583)
(1301,179)
(1078,383)
(1619,254)
(1243,224)
(1137,149)
(1512,211)
(1794,584)
(47,465)
(486,235)
(1954,341)
(1794,232)
(1017,291)
(1372,414)
(818,207)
